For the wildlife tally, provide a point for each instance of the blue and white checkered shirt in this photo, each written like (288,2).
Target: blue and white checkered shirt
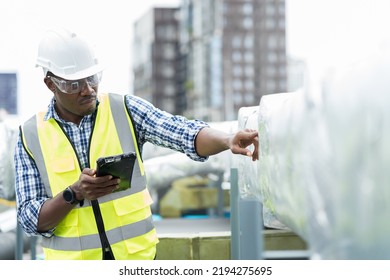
(151,125)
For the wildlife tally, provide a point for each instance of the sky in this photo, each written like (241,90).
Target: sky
(323,33)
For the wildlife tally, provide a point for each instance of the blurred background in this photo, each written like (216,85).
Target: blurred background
(311,76)
(210,57)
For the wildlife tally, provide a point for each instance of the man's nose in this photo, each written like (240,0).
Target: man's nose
(86,88)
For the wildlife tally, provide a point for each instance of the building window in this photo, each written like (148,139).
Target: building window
(248,57)
(249,84)
(248,42)
(282,8)
(237,98)
(272,41)
(168,51)
(270,23)
(167,71)
(282,23)
(249,71)
(236,56)
(271,71)
(237,70)
(247,9)
(270,9)
(282,84)
(271,86)
(272,57)
(166,32)
(168,105)
(247,23)
(169,89)
(237,84)
(236,42)
(249,97)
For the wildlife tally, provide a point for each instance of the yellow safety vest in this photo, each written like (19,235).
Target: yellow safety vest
(126,215)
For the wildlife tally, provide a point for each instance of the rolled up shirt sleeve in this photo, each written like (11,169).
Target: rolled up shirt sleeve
(164,129)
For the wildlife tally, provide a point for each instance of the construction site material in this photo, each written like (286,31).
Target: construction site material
(210,239)
(248,175)
(323,161)
(192,193)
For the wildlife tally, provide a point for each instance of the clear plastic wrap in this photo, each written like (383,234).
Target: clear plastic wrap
(280,161)
(248,170)
(349,195)
(323,165)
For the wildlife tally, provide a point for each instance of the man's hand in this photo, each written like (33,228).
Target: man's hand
(242,140)
(91,187)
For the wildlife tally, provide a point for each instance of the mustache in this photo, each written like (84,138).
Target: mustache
(89,98)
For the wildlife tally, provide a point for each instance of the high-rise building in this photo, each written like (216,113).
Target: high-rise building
(156,59)
(8,93)
(214,58)
(236,52)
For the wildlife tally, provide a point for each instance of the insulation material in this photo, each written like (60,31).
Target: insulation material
(323,165)
(280,165)
(349,197)
(248,170)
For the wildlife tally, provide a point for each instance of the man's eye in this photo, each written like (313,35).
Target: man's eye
(74,86)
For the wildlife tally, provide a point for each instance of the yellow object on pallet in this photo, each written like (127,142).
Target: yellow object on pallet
(190,193)
(217,245)
(8,203)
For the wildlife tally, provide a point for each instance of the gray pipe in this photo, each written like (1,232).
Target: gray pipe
(8,245)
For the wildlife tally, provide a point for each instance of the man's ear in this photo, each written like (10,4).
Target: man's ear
(49,83)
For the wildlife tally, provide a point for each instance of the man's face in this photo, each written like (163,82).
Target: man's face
(74,99)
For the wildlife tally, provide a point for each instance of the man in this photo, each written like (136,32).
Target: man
(58,195)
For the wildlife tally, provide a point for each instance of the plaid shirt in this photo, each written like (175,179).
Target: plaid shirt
(151,125)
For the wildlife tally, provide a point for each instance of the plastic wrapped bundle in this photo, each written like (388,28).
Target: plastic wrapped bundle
(247,169)
(349,195)
(323,166)
(248,182)
(280,169)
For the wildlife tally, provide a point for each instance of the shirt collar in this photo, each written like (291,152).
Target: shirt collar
(52,114)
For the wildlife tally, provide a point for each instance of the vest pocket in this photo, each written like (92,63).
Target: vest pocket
(69,225)
(141,243)
(132,203)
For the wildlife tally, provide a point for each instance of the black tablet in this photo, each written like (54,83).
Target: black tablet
(119,166)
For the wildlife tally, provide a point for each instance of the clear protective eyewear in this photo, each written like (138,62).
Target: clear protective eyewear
(76,86)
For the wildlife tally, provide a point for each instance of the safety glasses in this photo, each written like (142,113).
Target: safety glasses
(76,86)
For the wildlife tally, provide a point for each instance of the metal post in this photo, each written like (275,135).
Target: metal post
(33,247)
(234,216)
(251,228)
(19,243)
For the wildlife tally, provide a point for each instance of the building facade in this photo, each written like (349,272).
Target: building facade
(156,59)
(8,93)
(229,53)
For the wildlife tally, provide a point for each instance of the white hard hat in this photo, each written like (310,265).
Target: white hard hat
(67,55)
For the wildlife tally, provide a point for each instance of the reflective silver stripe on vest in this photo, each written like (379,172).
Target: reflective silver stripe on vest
(119,114)
(120,120)
(93,241)
(32,142)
